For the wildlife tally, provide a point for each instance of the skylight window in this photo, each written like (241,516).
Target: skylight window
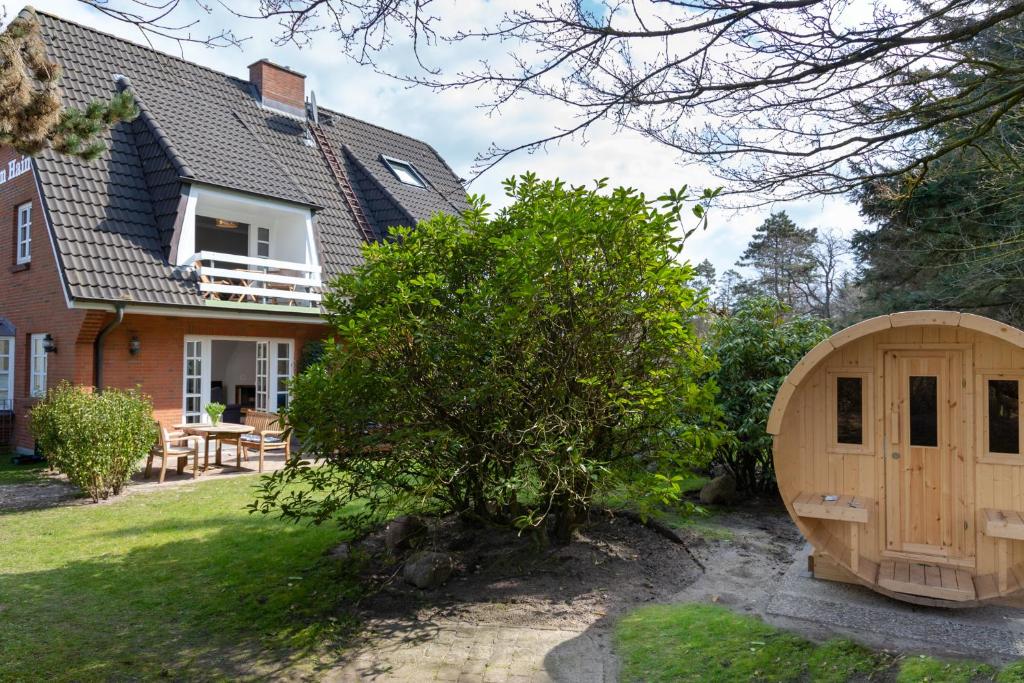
(405,172)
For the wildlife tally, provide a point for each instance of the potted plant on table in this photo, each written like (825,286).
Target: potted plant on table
(215,410)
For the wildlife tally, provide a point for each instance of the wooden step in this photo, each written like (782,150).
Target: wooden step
(843,508)
(928,580)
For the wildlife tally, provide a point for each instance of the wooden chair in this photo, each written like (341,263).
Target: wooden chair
(281,286)
(264,437)
(170,446)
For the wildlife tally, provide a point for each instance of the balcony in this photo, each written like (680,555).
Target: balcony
(232,279)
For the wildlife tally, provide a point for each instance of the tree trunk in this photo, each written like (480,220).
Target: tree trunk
(565,522)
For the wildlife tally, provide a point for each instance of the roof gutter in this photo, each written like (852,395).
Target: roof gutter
(97,346)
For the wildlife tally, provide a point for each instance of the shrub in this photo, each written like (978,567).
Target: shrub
(96,439)
(506,368)
(757,345)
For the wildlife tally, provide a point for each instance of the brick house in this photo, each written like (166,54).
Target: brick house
(189,259)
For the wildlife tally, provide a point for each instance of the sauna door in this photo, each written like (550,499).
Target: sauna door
(923,451)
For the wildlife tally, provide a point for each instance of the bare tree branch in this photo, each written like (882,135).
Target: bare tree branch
(781,98)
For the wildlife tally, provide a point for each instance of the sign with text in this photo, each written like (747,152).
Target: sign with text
(15,168)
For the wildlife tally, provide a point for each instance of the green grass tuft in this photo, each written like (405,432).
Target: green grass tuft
(20,474)
(1012,673)
(835,661)
(928,669)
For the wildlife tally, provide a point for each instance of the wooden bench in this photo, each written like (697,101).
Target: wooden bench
(843,508)
(268,435)
(1007,524)
(1004,526)
(854,509)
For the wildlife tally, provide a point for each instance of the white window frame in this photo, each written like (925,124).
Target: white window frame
(7,384)
(23,248)
(199,354)
(393,164)
(37,366)
(261,242)
(262,375)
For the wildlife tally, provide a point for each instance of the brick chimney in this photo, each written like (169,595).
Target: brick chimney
(279,87)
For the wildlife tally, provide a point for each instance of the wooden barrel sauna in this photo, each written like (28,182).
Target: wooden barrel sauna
(899,453)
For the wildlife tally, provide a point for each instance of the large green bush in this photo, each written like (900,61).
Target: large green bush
(506,368)
(757,345)
(96,439)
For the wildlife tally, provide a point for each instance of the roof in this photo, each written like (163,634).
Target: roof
(113,218)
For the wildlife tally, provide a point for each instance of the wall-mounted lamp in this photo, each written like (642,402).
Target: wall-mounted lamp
(134,345)
(49,346)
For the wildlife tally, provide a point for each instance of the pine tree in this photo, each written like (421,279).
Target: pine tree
(782,255)
(32,116)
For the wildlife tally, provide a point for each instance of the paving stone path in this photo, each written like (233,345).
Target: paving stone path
(475,653)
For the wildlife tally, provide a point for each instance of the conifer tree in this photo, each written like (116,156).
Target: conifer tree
(781,254)
(32,116)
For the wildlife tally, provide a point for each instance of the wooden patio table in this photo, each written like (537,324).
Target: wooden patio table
(220,432)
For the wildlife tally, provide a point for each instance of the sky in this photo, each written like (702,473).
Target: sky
(458,124)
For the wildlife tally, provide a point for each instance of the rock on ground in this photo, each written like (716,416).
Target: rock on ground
(428,569)
(719,491)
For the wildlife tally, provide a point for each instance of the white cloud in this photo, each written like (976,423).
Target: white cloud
(455,123)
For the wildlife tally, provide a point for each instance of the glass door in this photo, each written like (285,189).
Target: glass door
(282,373)
(195,371)
(262,375)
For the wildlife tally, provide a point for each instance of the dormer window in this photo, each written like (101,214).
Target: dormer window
(405,172)
(246,250)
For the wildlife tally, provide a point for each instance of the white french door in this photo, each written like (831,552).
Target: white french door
(281,373)
(197,389)
(274,368)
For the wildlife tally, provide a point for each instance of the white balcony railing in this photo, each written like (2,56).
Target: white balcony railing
(256,280)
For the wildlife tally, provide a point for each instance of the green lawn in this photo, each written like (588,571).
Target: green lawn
(182,583)
(710,644)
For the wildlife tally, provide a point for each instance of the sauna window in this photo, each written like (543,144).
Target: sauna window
(1004,416)
(850,410)
(924,410)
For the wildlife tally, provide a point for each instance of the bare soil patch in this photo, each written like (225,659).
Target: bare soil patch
(749,549)
(49,491)
(505,578)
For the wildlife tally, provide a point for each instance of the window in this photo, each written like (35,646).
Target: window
(405,172)
(6,372)
(850,410)
(1004,416)
(222,235)
(37,366)
(924,410)
(262,375)
(23,251)
(263,242)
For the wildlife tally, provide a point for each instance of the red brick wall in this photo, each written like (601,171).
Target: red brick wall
(32,297)
(159,366)
(278,84)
